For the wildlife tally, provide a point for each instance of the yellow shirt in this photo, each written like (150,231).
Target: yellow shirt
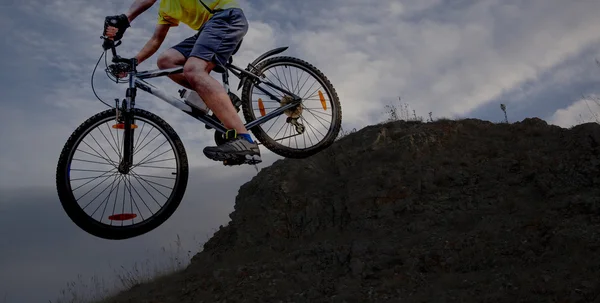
(190,12)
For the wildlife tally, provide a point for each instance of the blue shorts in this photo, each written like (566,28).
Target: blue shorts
(218,39)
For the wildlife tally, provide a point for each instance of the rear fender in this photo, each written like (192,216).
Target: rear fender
(267,54)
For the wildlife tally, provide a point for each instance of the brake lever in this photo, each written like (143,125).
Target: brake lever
(110,44)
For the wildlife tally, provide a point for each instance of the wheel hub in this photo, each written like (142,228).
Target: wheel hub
(294,112)
(124,168)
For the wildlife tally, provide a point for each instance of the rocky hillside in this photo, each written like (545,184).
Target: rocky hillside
(450,211)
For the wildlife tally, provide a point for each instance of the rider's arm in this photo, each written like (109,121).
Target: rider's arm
(138,7)
(154,43)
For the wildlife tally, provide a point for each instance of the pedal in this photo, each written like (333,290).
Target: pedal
(252,160)
(233,162)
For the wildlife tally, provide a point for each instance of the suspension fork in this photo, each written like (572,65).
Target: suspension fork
(128,123)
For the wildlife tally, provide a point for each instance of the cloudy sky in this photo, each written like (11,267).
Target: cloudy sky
(451,58)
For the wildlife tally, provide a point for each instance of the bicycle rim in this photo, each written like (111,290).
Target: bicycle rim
(320,113)
(123,205)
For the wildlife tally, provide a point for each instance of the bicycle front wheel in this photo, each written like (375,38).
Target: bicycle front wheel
(109,204)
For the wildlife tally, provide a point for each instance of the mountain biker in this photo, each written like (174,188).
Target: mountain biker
(220,26)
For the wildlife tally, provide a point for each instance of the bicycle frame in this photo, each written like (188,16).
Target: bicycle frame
(136,80)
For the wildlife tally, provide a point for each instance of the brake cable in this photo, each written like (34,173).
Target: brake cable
(92,79)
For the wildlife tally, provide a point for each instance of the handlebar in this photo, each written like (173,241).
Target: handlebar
(110,44)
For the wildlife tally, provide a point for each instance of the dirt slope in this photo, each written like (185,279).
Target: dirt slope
(450,211)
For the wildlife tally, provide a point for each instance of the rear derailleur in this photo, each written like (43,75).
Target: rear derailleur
(299,127)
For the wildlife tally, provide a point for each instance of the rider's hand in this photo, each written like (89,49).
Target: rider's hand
(115,26)
(119,70)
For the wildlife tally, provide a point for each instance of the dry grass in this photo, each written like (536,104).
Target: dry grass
(402,113)
(96,289)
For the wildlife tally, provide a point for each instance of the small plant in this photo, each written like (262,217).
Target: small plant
(401,114)
(503,107)
(392,111)
(344,133)
(596,100)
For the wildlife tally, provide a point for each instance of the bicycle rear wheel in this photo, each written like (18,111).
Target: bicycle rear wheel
(307,129)
(104,209)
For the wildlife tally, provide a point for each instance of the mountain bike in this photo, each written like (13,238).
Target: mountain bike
(125,129)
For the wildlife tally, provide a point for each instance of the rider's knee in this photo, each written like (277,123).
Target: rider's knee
(170,58)
(193,69)
(165,61)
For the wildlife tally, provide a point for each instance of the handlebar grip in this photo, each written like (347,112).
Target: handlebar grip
(108,44)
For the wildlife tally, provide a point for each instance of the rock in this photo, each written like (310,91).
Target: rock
(449,211)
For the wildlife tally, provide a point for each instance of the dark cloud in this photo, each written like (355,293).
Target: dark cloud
(450,57)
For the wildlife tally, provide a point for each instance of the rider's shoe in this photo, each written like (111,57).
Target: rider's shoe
(235,151)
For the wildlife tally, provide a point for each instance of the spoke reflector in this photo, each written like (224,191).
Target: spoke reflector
(122,126)
(122,217)
(261,106)
(323,103)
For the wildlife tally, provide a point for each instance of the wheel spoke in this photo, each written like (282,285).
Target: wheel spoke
(115,203)
(105,153)
(98,195)
(157,161)
(141,161)
(279,80)
(304,96)
(308,77)
(147,144)
(133,200)
(286,83)
(89,161)
(317,118)
(150,176)
(308,128)
(139,136)
(97,154)
(94,178)
(151,196)
(140,196)
(113,148)
(108,198)
(88,190)
(152,182)
(274,120)
(118,151)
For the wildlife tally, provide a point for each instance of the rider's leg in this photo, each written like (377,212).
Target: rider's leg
(216,41)
(197,71)
(217,38)
(173,58)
